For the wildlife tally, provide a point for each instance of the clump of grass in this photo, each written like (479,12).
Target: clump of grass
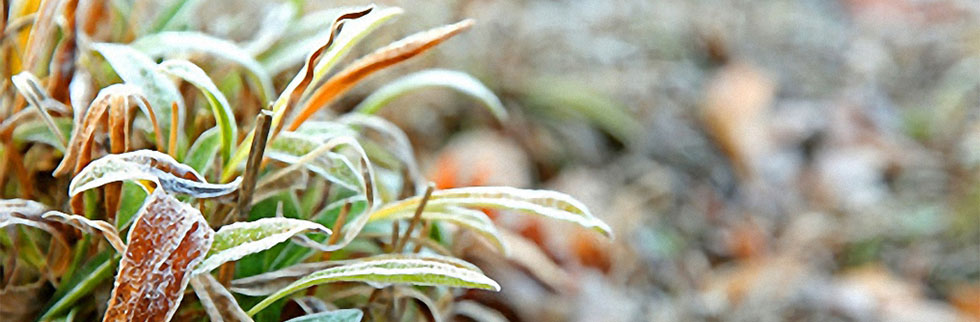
(249,194)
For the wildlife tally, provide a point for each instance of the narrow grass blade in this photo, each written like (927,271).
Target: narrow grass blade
(468,218)
(345,315)
(166,241)
(392,269)
(29,213)
(382,58)
(178,42)
(291,94)
(234,241)
(90,226)
(113,97)
(223,116)
(216,300)
(201,154)
(39,131)
(29,86)
(551,204)
(137,69)
(459,81)
(303,151)
(83,282)
(395,139)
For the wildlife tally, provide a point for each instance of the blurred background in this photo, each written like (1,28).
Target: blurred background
(757,160)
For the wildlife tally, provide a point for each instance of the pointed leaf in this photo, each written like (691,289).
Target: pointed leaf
(292,93)
(551,204)
(114,99)
(148,165)
(395,139)
(232,242)
(382,58)
(459,81)
(201,154)
(137,69)
(168,238)
(216,300)
(404,269)
(468,218)
(39,131)
(345,315)
(89,226)
(291,148)
(82,283)
(178,42)
(223,116)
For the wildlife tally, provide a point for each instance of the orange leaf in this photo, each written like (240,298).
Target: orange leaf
(380,59)
(167,240)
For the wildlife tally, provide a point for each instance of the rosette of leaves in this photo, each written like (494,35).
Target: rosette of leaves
(293,207)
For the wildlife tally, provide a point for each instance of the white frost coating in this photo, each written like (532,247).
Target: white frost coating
(464,217)
(155,272)
(89,226)
(547,203)
(232,242)
(270,282)
(390,270)
(459,81)
(169,42)
(27,213)
(400,142)
(425,299)
(216,300)
(146,165)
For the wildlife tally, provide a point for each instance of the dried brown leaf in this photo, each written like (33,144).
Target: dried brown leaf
(380,59)
(167,240)
(78,152)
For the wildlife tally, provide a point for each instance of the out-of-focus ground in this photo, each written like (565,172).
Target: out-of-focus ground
(758,160)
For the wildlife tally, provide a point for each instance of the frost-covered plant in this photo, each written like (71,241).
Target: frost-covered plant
(328,213)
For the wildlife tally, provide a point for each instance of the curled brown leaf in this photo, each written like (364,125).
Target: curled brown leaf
(382,58)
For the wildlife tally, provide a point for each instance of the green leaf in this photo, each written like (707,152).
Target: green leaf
(174,15)
(308,75)
(130,203)
(177,42)
(137,69)
(563,99)
(394,139)
(293,51)
(201,154)
(393,269)
(468,218)
(345,315)
(223,116)
(551,204)
(148,165)
(459,81)
(304,150)
(38,131)
(234,241)
(82,283)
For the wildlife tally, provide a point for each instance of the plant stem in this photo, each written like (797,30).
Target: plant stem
(416,218)
(252,168)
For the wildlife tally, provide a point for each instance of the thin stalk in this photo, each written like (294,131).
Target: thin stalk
(416,218)
(252,168)
(172,143)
